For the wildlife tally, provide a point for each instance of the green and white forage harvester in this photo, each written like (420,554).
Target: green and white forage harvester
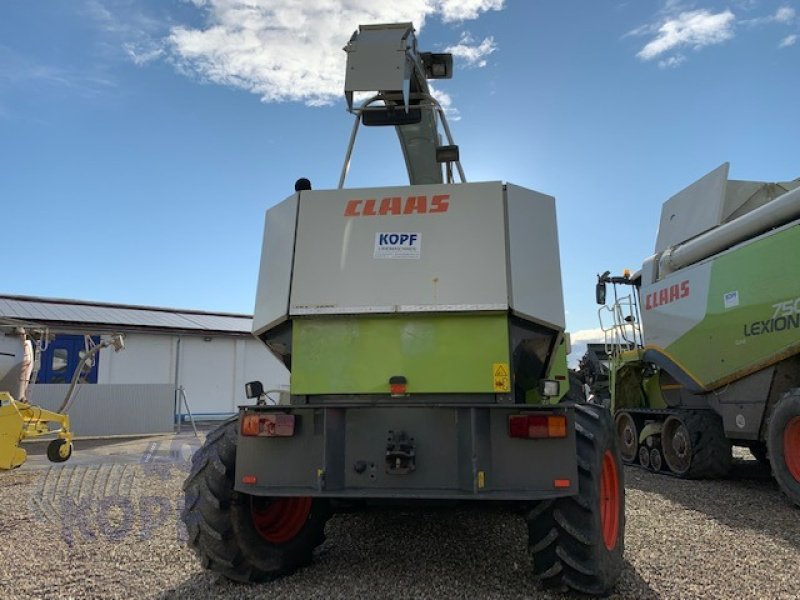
(423,326)
(705,339)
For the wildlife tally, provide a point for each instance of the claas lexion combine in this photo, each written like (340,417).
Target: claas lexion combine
(705,340)
(423,326)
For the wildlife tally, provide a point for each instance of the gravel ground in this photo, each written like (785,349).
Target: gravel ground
(111,531)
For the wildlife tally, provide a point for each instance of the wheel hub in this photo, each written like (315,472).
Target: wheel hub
(679,443)
(626,432)
(609,501)
(676,445)
(278,520)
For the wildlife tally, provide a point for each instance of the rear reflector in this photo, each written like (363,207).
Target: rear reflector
(273,425)
(537,426)
(249,479)
(560,483)
(397,386)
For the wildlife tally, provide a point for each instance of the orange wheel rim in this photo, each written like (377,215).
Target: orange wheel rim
(278,520)
(609,501)
(791,447)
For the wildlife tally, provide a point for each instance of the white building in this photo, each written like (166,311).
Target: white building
(210,356)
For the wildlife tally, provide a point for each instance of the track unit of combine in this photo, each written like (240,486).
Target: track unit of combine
(714,319)
(423,326)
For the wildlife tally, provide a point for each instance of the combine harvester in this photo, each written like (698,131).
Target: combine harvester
(714,318)
(424,329)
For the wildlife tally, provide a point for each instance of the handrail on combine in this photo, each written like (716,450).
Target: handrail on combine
(622,325)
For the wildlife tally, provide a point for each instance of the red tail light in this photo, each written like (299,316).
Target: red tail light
(537,426)
(272,425)
(397,386)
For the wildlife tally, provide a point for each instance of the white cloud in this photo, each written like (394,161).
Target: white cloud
(446,102)
(672,61)
(693,29)
(784,14)
(579,340)
(464,10)
(143,52)
(679,27)
(587,335)
(789,40)
(474,54)
(291,50)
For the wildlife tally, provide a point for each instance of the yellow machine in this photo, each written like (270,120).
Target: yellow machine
(20,421)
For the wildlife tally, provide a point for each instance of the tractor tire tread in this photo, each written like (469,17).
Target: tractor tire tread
(712,458)
(219,529)
(565,538)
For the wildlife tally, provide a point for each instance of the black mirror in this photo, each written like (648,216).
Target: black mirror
(600,292)
(390,116)
(253,389)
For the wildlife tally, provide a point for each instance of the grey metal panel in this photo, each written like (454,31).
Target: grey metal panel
(275,274)
(435,433)
(534,261)
(461,452)
(742,403)
(462,257)
(113,409)
(66,311)
(376,58)
(693,210)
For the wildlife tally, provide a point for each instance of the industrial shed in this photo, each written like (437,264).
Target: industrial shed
(168,353)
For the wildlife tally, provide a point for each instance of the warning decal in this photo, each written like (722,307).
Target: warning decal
(501,377)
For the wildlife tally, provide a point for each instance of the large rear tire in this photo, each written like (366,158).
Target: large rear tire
(783,442)
(245,538)
(577,542)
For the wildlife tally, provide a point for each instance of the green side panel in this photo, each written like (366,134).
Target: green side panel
(435,353)
(763,328)
(630,384)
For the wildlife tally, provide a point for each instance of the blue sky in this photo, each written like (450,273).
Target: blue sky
(141,142)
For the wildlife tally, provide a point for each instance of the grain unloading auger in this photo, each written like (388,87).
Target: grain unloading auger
(714,316)
(423,326)
(19,418)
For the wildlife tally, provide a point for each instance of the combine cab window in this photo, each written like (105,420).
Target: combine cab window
(61,359)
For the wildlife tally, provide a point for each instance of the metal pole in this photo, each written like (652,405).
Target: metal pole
(177,382)
(188,410)
(436,106)
(351,143)
(450,141)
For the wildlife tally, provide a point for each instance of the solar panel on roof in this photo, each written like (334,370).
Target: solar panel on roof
(66,312)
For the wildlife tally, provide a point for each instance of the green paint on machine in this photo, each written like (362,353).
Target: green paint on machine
(762,325)
(443,353)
